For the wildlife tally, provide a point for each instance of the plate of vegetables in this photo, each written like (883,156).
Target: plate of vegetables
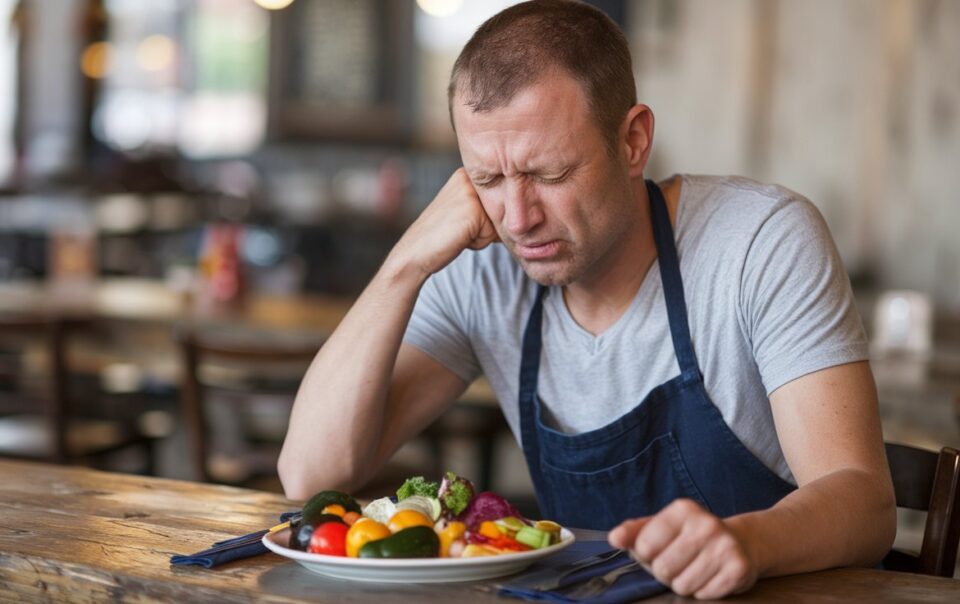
(431,532)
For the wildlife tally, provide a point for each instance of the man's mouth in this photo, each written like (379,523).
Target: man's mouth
(537,251)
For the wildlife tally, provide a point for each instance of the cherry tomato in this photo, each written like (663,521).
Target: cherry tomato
(329,538)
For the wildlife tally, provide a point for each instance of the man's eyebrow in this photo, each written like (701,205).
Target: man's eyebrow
(552,169)
(479,174)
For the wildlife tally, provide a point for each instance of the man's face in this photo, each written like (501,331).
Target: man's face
(560,202)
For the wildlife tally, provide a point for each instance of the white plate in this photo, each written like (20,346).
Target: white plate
(413,570)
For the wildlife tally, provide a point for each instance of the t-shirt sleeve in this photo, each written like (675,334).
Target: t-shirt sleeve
(439,325)
(796,301)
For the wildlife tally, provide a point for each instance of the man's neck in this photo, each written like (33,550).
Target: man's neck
(598,302)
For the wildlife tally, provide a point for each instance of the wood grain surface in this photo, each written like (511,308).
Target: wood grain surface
(72,534)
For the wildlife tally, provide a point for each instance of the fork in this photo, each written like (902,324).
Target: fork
(560,573)
(598,585)
(570,568)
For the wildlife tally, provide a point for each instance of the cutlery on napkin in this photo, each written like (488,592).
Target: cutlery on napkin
(634,584)
(235,548)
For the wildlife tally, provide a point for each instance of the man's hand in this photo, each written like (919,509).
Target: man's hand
(454,221)
(690,550)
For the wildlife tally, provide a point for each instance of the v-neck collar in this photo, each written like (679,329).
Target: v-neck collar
(591,343)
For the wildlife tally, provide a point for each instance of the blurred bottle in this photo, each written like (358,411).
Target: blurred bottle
(72,264)
(903,323)
(220,268)
(392,189)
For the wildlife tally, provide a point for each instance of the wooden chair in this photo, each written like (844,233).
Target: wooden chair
(928,481)
(480,424)
(39,416)
(251,366)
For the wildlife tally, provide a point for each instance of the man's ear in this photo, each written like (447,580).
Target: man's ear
(637,138)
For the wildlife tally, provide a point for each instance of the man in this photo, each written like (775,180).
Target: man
(683,363)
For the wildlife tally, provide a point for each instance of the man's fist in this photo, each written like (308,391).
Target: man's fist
(689,549)
(454,221)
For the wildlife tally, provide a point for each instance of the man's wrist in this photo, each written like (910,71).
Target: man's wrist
(399,271)
(750,531)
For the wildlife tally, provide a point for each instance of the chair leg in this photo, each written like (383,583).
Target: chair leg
(150,458)
(436,453)
(487,446)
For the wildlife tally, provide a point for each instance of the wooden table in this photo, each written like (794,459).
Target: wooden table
(80,535)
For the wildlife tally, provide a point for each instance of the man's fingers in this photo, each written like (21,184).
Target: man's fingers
(732,577)
(664,527)
(677,555)
(696,575)
(625,533)
(697,536)
(486,236)
(655,535)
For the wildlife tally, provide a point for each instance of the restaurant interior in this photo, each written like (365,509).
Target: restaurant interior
(192,192)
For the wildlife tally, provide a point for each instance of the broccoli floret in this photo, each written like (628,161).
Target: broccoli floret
(455,493)
(417,485)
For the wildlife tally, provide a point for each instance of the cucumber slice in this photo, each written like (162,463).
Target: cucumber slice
(535,538)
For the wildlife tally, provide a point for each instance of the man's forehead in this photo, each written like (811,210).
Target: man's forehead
(544,92)
(525,149)
(536,129)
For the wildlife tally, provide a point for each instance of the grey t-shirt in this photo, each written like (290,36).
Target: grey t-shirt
(768,301)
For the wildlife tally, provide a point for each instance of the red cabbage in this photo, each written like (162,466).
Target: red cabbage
(487,506)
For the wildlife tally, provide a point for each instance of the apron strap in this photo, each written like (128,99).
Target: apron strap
(529,372)
(672,282)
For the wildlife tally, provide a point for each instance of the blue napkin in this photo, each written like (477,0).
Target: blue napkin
(229,549)
(628,588)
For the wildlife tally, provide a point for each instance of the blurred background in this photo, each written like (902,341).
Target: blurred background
(182,178)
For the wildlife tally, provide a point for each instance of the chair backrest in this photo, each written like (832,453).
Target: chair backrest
(198,349)
(49,333)
(928,481)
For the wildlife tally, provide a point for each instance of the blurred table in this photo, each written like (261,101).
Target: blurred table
(142,311)
(147,300)
(73,534)
(136,319)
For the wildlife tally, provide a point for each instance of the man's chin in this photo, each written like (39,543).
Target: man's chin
(548,274)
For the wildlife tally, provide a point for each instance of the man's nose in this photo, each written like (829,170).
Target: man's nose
(521,207)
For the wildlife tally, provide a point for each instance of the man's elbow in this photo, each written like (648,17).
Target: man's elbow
(295,489)
(888,525)
(301,480)
(293,478)
(883,525)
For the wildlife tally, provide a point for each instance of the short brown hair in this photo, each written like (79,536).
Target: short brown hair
(517,46)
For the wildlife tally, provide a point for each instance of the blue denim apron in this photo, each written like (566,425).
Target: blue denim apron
(675,443)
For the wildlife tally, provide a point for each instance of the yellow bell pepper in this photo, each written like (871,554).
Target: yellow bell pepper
(489,529)
(453,531)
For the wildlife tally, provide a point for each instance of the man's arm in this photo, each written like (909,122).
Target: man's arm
(842,514)
(365,393)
